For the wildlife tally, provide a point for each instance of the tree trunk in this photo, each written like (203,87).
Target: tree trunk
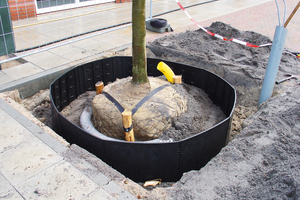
(139,60)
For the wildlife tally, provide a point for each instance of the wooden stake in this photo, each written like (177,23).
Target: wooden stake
(99,87)
(127,125)
(292,14)
(177,79)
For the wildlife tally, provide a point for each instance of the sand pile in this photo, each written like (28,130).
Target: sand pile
(263,160)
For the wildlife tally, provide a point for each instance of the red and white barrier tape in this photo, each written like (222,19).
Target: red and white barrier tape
(219,36)
(296,54)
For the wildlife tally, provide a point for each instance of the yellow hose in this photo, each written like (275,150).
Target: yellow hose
(166,70)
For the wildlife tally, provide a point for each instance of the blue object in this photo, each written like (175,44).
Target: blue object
(273,64)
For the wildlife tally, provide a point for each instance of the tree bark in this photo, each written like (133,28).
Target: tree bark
(139,60)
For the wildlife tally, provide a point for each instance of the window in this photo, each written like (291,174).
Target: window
(44,6)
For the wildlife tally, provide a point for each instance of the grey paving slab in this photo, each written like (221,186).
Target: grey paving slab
(22,121)
(27,159)
(11,195)
(90,171)
(22,71)
(4,185)
(117,191)
(47,60)
(32,84)
(93,46)
(12,133)
(71,52)
(99,194)
(29,169)
(4,78)
(118,39)
(61,181)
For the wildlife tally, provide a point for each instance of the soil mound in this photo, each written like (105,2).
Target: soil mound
(196,115)
(243,66)
(152,117)
(262,162)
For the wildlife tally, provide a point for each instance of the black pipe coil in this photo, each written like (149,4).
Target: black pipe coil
(137,160)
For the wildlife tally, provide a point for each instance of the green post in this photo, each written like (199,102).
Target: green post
(7,44)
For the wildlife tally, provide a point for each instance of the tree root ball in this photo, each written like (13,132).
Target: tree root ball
(151,119)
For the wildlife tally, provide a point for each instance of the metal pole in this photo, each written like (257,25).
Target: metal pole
(151,8)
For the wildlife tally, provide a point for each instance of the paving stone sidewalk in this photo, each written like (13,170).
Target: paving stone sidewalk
(33,165)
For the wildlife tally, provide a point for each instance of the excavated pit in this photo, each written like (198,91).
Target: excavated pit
(271,134)
(142,161)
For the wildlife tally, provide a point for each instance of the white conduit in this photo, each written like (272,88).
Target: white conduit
(86,124)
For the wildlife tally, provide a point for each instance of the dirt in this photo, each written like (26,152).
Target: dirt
(150,119)
(243,67)
(262,162)
(73,111)
(262,159)
(200,113)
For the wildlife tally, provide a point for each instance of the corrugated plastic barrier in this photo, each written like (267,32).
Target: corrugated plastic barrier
(138,160)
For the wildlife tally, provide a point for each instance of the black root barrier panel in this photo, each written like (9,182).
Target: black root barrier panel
(137,160)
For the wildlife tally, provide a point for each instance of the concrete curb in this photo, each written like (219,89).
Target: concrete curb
(33,128)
